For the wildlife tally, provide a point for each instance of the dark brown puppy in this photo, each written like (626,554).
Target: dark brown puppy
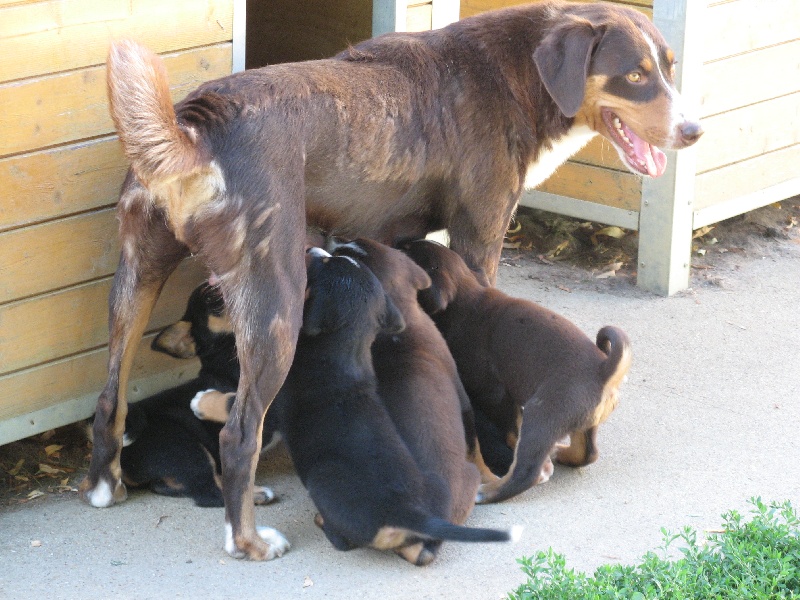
(418,381)
(531,371)
(398,136)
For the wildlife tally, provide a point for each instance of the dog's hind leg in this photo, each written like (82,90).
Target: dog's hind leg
(582,449)
(532,463)
(150,252)
(265,300)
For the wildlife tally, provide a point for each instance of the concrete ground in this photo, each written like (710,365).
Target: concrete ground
(707,420)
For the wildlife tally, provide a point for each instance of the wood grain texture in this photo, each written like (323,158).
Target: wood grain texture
(59,109)
(161,26)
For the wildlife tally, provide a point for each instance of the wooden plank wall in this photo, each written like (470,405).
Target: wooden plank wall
(594,174)
(750,104)
(61,168)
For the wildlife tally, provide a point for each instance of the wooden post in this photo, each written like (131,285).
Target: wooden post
(388,15)
(665,218)
(391,15)
(239,35)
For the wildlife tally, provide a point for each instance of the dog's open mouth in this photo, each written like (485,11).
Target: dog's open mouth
(642,157)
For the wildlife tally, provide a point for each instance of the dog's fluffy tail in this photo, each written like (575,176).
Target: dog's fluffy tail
(615,343)
(141,107)
(441,529)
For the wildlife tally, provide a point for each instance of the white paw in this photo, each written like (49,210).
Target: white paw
(102,496)
(196,401)
(263,495)
(230,545)
(278,544)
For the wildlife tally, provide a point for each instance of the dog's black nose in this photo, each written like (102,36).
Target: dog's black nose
(690,132)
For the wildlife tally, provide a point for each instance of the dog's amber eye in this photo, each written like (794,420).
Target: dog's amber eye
(634,76)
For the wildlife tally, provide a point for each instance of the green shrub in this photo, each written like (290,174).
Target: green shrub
(755,559)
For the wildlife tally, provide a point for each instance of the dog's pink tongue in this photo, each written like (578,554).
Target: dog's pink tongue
(653,158)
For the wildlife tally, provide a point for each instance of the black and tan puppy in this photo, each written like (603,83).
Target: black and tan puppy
(166,447)
(360,474)
(531,371)
(418,381)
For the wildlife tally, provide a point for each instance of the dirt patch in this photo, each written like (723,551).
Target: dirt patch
(566,253)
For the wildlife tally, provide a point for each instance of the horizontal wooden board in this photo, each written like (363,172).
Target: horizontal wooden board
(74,320)
(746,132)
(60,181)
(291,30)
(53,255)
(25,19)
(162,26)
(473,7)
(63,108)
(749,78)
(746,177)
(47,385)
(419,17)
(595,184)
(739,26)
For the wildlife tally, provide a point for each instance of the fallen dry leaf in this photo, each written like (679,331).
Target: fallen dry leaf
(702,231)
(307,582)
(36,543)
(50,470)
(17,467)
(35,494)
(53,449)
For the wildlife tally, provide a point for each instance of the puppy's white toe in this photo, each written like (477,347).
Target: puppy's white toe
(196,402)
(263,495)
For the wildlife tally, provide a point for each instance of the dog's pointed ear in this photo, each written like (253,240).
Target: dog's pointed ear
(176,340)
(393,321)
(563,60)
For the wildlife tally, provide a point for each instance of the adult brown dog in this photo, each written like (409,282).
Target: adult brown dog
(395,137)
(531,371)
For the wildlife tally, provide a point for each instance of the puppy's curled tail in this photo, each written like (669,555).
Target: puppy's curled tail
(440,529)
(617,346)
(138,92)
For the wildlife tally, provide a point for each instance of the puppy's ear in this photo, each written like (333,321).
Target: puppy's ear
(176,340)
(563,60)
(313,315)
(419,279)
(393,321)
(440,294)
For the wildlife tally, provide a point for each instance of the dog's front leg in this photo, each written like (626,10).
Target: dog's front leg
(477,232)
(150,253)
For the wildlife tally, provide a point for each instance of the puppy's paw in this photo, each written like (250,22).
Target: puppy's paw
(211,405)
(546,472)
(263,495)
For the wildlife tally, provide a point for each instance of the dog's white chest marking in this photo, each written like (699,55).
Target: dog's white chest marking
(549,160)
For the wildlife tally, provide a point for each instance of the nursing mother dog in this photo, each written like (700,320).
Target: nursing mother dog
(395,137)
